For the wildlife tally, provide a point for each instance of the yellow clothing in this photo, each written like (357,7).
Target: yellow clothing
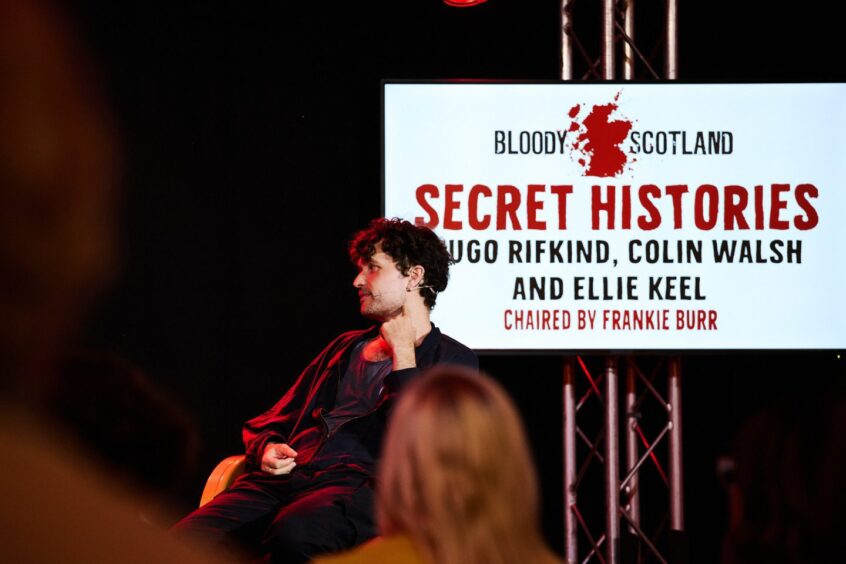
(397,549)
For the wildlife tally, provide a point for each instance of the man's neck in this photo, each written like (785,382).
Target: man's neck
(421,322)
(422,326)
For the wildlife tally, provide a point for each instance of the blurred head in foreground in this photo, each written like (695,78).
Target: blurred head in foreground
(457,476)
(57,170)
(57,185)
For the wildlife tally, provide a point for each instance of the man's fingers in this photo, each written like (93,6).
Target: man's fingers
(284,450)
(280,462)
(283,468)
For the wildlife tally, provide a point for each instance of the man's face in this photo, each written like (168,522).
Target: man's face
(382,289)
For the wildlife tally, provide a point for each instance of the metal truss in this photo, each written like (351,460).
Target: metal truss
(617,37)
(596,434)
(652,427)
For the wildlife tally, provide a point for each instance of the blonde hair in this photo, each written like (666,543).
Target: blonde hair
(457,475)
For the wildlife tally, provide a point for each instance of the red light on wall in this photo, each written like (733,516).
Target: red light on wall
(463,3)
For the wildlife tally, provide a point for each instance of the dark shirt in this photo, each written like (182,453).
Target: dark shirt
(359,390)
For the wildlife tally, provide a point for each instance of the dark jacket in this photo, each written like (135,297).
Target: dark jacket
(297,419)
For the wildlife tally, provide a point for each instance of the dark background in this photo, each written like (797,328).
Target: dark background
(251,139)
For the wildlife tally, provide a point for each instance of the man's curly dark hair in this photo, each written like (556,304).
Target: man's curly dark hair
(408,245)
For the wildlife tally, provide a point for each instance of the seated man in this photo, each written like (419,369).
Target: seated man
(312,457)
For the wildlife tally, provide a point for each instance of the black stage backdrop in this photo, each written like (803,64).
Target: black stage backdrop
(251,137)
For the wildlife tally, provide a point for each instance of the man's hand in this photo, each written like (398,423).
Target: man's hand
(278,459)
(398,332)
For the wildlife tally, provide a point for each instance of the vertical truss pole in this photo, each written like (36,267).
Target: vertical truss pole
(566,40)
(570,483)
(671,64)
(608,65)
(632,490)
(633,431)
(676,481)
(628,50)
(612,470)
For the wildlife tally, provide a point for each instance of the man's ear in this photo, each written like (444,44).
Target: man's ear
(416,274)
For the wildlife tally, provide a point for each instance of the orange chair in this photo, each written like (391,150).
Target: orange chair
(223,476)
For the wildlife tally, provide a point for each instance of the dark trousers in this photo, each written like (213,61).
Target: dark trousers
(291,518)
